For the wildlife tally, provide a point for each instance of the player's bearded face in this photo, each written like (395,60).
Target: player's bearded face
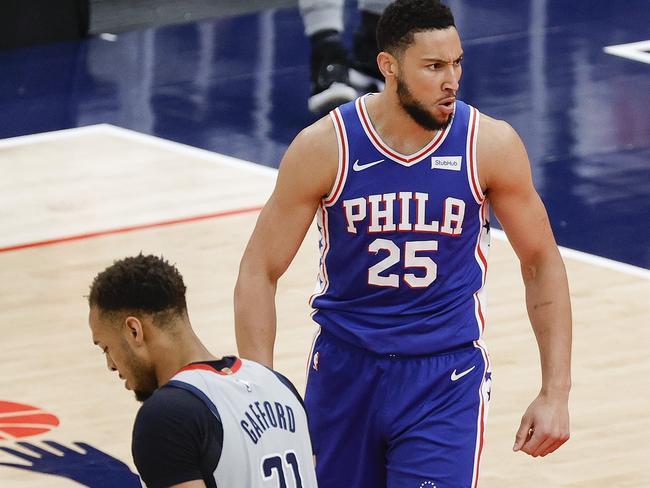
(142,377)
(417,110)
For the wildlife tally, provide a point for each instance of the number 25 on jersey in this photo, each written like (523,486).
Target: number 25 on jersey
(411,260)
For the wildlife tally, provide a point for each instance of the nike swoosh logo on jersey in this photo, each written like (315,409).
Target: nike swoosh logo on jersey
(361,167)
(456,376)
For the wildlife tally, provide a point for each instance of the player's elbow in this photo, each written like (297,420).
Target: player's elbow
(254,280)
(253,270)
(542,262)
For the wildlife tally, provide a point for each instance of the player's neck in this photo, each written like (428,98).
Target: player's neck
(396,127)
(174,354)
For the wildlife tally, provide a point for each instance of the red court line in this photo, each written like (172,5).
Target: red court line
(131,228)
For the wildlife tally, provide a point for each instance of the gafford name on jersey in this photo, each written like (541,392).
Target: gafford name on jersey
(261,416)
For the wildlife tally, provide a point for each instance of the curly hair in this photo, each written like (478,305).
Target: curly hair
(404,18)
(141,283)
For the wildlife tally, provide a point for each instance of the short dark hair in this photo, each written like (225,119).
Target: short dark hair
(404,18)
(141,283)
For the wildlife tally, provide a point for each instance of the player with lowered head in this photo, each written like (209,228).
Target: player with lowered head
(205,421)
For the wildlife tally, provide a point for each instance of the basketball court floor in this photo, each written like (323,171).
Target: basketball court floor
(164,141)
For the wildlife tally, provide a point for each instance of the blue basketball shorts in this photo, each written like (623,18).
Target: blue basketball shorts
(398,422)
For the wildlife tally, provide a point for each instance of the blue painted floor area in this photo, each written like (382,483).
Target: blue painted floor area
(239,86)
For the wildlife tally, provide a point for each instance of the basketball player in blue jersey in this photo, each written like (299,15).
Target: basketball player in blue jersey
(205,421)
(399,376)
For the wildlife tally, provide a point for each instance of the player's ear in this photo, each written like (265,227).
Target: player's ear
(134,330)
(387,64)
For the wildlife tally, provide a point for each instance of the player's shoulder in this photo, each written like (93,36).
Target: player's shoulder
(495,133)
(167,396)
(173,413)
(169,405)
(500,152)
(498,142)
(310,165)
(174,434)
(318,139)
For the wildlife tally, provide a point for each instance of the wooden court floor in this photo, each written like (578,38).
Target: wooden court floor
(95,192)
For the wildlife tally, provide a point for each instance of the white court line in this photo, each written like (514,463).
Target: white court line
(189,150)
(268,171)
(636,51)
(139,137)
(48,136)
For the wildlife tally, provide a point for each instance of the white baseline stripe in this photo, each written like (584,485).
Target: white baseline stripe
(140,137)
(190,150)
(590,259)
(50,136)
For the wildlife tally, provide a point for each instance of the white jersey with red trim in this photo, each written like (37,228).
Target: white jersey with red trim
(266,440)
(404,239)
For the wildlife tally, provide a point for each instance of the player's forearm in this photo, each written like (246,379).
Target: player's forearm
(255,318)
(549,309)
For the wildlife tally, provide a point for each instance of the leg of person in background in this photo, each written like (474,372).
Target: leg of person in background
(364,73)
(330,84)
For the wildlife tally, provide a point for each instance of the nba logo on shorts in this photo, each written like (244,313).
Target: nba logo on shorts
(316,360)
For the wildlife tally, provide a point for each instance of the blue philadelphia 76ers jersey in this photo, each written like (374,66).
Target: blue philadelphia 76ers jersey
(403,239)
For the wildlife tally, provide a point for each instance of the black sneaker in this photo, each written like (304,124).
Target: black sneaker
(330,84)
(364,72)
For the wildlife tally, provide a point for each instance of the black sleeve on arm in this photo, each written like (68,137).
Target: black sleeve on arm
(176,439)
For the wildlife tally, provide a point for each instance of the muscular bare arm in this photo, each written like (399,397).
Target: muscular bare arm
(307,173)
(506,177)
